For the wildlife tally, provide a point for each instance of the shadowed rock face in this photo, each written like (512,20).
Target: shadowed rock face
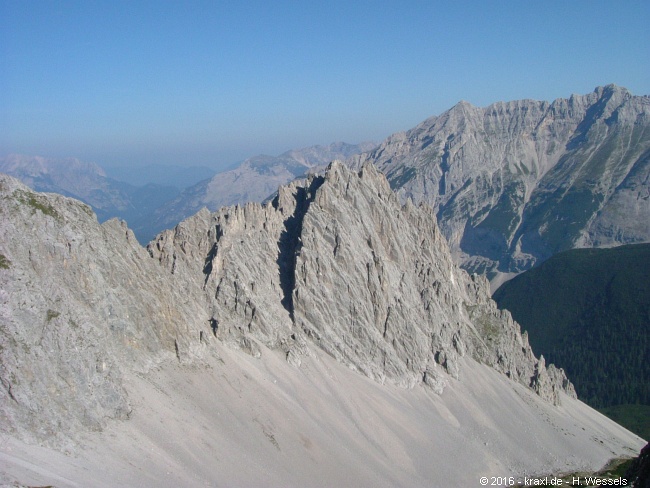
(638,473)
(336,264)
(516,182)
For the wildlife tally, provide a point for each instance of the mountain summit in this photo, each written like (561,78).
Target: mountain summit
(516,182)
(341,263)
(325,338)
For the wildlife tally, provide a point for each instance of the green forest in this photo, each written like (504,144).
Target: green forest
(588,311)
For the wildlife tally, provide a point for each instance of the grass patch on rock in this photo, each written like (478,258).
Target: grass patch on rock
(36,202)
(52,314)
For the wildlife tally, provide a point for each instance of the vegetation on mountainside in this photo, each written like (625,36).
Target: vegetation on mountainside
(36,202)
(588,311)
(4,262)
(635,418)
(52,314)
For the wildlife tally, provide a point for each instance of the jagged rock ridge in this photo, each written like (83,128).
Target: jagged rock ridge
(516,182)
(336,264)
(253,180)
(340,263)
(217,344)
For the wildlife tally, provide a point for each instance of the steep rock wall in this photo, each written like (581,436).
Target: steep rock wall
(341,264)
(515,182)
(336,263)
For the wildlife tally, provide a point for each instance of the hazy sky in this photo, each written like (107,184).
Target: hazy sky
(214,82)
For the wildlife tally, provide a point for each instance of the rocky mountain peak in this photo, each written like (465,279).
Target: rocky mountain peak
(335,263)
(328,321)
(338,263)
(612,92)
(515,182)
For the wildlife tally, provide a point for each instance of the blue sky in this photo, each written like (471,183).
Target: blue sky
(192,82)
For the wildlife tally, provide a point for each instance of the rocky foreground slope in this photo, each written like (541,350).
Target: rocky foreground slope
(229,351)
(516,182)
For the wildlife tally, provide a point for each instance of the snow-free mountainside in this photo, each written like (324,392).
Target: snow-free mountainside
(511,184)
(326,338)
(516,182)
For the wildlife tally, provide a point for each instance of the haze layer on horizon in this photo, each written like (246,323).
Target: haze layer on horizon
(210,83)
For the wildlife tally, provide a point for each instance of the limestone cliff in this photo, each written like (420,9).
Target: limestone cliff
(337,264)
(340,264)
(515,182)
(80,302)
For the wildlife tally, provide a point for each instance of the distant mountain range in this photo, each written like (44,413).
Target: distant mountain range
(511,184)
(153,198)
(516,182)
(252,181)
(89,183)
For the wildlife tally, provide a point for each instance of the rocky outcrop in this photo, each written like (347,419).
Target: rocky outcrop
(516,182)
(336,263)
(80,302)
(339,263)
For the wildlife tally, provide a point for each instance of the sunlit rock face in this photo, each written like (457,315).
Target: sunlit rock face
(515,182)
(322,332)
(336,263)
